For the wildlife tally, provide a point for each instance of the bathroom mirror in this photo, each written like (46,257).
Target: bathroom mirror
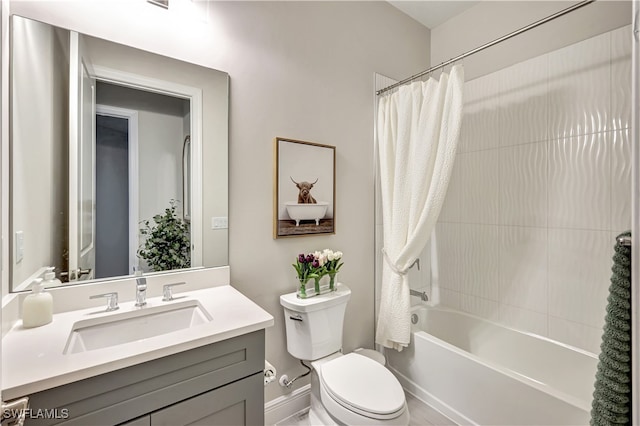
(118,157)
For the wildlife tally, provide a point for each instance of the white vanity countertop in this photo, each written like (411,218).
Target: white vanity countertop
(33,359)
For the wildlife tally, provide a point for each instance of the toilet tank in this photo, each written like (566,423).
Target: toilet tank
(314,325)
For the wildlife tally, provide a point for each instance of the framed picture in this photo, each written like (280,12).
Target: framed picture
(304,188)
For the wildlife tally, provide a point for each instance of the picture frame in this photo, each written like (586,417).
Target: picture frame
(304,186)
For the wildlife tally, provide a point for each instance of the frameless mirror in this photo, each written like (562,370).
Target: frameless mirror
(118,159)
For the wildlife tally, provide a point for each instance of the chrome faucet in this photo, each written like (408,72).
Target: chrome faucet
(422,295)
(112,300)
(141,291)
(167,291)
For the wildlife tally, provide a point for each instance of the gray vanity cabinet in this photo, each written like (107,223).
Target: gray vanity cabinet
(216,384)
(225,406)
(217,407)
(140,421)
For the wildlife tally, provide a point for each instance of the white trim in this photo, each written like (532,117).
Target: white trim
(194,95)
(286,406)
(196,180)
(134,213)
(635,215)
(87,247)
(137,81)
(4,161)
(4,155)
(74,141)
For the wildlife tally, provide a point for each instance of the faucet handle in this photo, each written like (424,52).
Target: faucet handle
(167,291)
(141,283)
(112,300)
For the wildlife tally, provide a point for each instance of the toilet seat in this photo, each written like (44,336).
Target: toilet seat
(362,386)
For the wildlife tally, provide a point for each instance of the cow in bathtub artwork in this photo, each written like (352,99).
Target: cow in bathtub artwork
(307,208)
(304,202)
(304,194)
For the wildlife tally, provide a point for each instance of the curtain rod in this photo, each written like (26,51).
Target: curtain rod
(491,43)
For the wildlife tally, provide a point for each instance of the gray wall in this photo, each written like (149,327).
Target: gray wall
(309,77)
(489,20)
(38,149)
(300,70)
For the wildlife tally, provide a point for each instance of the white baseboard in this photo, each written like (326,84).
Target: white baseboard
(285,406)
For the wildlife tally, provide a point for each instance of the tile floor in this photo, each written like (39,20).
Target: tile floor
(421,415)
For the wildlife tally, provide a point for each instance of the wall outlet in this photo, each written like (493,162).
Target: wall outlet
(219,222)
(19,246)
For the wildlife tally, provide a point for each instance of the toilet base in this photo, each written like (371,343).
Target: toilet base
(318,415)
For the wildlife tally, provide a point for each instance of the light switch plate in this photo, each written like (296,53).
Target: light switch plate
(219,222)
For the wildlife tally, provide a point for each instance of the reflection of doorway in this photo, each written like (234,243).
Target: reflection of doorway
(167,113)
(116,191)
(156,160)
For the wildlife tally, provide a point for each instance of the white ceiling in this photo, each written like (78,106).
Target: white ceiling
(432,13)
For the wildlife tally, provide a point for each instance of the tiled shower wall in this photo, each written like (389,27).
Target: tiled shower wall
(540,188)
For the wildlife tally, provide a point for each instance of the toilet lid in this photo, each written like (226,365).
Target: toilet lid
(360,382)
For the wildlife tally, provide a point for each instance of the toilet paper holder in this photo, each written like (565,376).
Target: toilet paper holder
(270,373)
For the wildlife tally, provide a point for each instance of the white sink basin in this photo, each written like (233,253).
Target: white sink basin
(126,327)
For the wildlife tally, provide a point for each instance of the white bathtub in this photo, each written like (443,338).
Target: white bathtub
(300,212)
(478,372)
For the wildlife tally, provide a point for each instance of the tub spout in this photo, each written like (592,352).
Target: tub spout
(421,294)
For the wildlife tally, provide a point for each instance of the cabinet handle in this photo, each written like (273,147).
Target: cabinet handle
(73,275)
(15,410)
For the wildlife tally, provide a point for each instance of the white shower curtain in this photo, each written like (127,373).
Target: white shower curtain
(418,128)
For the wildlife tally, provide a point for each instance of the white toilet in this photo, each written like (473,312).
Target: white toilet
(351,389)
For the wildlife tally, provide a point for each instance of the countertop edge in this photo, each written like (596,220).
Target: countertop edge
(67,378)
(46,374)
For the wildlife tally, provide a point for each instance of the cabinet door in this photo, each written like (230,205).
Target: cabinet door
(239,403)
(128,393)
(140,421)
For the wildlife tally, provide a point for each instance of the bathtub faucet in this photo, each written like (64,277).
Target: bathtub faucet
(421,294)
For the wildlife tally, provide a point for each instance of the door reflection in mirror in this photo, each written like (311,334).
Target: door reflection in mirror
(80,198)
(160,125)
(112,196)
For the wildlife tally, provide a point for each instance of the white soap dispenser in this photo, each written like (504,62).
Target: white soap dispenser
(50,279)
(37,308)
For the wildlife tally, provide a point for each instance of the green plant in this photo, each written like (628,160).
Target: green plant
(167,244)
